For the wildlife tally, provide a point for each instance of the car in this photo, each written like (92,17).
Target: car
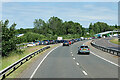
(46,42)
(83,49)
(37,42)
(31,44)
(42,42)
(69,42)
(52,41)
(65,43)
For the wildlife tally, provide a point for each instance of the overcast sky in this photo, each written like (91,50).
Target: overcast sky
(24,13)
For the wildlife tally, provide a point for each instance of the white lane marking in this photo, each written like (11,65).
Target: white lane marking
(105,59)
(73,58)
(84,72)
(72,54)
(77,63)
(83,44)
(41,63)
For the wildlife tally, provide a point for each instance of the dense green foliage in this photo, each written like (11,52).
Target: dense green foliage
(101,27)
(51,29)
(8,37)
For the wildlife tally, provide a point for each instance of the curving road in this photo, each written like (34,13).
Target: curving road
(63,62)
(105,42)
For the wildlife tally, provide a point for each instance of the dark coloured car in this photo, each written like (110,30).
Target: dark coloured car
(83,49)
(52,41)
(65,43)
(46,42)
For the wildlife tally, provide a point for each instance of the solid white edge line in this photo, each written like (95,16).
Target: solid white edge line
(41,63)
(84,72)
(105,59)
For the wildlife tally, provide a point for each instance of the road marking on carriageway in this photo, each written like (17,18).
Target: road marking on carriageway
(77,63)
(105,59)
(72,54)
(85,72)
(73,58)
(42,62)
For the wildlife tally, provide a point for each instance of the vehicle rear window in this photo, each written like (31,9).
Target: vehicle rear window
(84,47)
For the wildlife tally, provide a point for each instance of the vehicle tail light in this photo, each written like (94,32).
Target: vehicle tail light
(88,49)
(80,49)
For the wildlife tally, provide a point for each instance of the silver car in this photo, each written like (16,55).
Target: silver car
(83,49)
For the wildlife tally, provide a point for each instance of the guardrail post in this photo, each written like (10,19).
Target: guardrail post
(3,77)
(113,52)
(21,63)
(31,56)
(14,68)
(26,59)
(34,54)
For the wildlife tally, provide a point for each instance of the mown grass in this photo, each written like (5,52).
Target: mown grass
(13,57)
(17,73)
(115,41)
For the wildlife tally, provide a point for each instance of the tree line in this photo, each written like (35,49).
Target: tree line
(51,29)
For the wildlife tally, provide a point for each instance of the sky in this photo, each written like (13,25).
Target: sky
(24,13)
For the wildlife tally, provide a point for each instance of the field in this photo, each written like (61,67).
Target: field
(115,41)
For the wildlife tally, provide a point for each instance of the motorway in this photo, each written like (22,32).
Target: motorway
(64,62)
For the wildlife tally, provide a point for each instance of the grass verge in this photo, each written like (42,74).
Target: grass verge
(6,61)
(115,41)
(18,72)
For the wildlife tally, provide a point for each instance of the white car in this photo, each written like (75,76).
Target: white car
(31,44)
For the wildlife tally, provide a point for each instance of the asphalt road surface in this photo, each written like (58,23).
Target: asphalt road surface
(64,62)
(105,42)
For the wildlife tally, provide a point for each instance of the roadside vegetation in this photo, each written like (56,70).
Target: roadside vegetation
(13,57)
(42,30)
(115,41)
(51,29)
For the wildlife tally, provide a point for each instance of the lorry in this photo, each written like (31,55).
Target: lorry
(82,38)
(59,38)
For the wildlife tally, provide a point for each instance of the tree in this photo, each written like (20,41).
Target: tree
(8,38)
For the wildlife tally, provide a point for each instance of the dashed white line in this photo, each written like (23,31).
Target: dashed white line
(72,54)
(77,63)
(73,58)
(41,63)
(84,72)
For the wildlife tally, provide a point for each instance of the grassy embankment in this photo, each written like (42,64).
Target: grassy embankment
(18,72)
(13,57)
(115,41)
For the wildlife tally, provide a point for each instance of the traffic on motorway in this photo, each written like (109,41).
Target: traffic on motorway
(65,42)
